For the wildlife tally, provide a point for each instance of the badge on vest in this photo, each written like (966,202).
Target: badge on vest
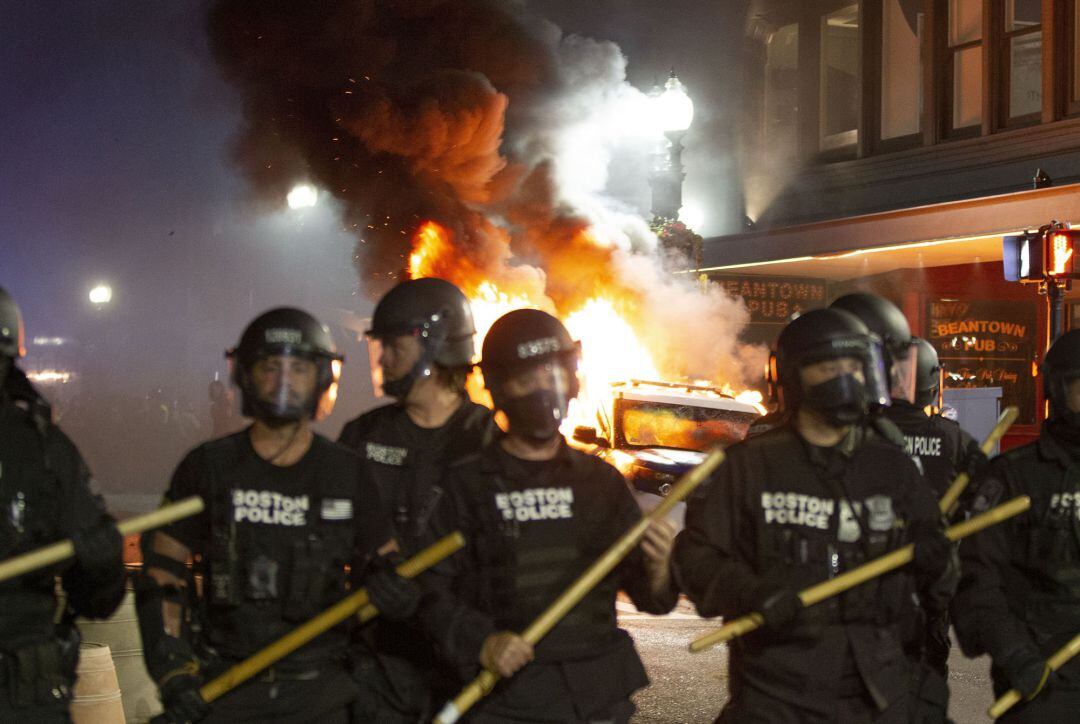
(336,509)
(386,454)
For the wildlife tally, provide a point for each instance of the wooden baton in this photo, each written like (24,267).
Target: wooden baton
(1008,417)
(1012,697)
(355,603)
(593,575)
(872,569)
(64,549)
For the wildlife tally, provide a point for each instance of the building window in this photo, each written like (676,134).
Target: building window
(1022,66)
(1072,20)
(782,91)
(840,97)
(965,63)
(901,68)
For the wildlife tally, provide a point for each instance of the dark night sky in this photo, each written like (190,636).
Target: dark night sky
(114,132)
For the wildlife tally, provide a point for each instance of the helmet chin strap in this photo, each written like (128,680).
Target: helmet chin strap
(402,386)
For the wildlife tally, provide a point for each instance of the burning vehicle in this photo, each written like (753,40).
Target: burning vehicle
(653,432)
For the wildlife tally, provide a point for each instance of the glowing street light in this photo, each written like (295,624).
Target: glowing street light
(101,294)
(673,112)
(674,108)
(302,196)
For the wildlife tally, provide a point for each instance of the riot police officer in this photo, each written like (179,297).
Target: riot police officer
(1019,598)
(45,496)
(422,331)
(536,513)
(942,449)
(815,496)
(287,513)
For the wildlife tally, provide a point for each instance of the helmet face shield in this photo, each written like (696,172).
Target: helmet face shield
(536,398)
(905,367)
(397,362)
(286,367)
(285,386)
(836,389)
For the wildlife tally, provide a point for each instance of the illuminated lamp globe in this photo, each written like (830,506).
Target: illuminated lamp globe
(674,109)
(302,196)
(101,294)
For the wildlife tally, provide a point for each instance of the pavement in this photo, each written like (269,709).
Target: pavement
(692,688)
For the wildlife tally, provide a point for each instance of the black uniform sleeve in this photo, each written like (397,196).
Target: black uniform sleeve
(190,478)
(96,593)
(457,628)
(971,460)
(350,436)
(633,576)
(708,563)
(984,622)
(373,528)
(923,513)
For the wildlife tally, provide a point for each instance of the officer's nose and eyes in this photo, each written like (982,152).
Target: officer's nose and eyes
(548,376)
(285,376)
(398,354)
(819,372)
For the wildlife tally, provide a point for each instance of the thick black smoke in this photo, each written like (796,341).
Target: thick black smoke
(397,108)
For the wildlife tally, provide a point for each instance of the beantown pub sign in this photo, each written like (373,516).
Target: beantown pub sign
(988,343)
(772,300)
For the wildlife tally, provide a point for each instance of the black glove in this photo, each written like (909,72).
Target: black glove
(99,549)
(1027,672)
(173,664)
(778,607)
(181,698)
(396,598)
(932,550)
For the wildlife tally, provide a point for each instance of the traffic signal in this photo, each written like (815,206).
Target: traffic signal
(1038,256)
(1060,259)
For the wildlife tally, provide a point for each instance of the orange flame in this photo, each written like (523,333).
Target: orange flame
(601,314)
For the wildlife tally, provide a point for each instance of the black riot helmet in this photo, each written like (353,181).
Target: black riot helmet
(519,341)
(1061,366)
(12,339)
(927,373)
(826,334)
(884,319)
(288,332)
(438,314)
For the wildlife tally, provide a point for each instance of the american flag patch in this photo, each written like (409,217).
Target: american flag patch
(336,509)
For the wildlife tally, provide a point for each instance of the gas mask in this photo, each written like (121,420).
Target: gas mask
(1059,403)
(841,401)
(537,415)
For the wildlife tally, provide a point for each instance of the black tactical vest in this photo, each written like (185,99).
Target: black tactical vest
(29,510)
(407,462)
(937,443)
(534,537)
(280,541)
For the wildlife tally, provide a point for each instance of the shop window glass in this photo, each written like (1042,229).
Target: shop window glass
(1076,53)
(967,87)
(840,77)
(965,21)
(782,90)
(1025,74)
(1023,44)
(1022,14)
(901,69)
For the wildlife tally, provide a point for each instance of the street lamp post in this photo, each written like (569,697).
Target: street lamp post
(674,112)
